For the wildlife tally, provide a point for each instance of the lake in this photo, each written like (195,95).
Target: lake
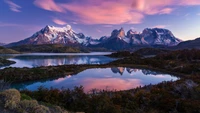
(115,78)
(53,59)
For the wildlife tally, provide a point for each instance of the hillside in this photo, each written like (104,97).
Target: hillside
(4,50)
(191,44)
(50,48)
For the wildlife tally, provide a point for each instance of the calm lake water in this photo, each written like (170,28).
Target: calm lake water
(53,59)
(116,78)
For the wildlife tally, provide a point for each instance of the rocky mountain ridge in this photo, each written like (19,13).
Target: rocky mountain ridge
(117,41)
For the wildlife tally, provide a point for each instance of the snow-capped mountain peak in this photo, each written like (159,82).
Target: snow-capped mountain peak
(59,29)
(118,39)
(55,35)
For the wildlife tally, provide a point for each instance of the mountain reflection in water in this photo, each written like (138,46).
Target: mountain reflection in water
(115,78)
(36,60)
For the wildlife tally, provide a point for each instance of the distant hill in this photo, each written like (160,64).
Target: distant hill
(50,48)
(4,50)
(1,44)
(150,51)
(191,44)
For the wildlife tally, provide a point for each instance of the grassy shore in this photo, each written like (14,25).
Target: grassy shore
(181,96)
(183,66)
(4,62)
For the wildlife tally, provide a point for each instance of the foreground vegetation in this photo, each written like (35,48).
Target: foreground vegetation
(182,61)
(11,101)
(182,96)
(4,62)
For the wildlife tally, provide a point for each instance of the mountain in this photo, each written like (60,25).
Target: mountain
(149,37)
(118,40)
(56,35)
(115,41)
(157,36)
(191,44)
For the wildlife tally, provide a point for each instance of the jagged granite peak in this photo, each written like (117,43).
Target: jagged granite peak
(158,36)
(149,37)
(118,33)
(154,36)
(131,33)
(117,41)
(121,33)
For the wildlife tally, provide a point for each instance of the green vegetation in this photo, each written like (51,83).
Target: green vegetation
(50,48)
(30,74)
(120,54)
(150,51)
(4,50)
(181,61)
(10,100)
(144,52)
(4,62)
(180,96)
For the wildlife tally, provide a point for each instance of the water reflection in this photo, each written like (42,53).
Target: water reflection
(36,60)
(121,70)
(116,78)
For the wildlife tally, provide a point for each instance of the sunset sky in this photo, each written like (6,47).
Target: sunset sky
(19,19)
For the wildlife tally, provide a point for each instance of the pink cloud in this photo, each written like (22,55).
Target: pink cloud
(189,2)
(106,12)
(13,7)
(150,7)
(59,22)
(49,5)
(114,11)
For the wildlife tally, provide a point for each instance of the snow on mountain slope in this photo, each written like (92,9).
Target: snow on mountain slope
(55,35)
(157,36)
(118,39)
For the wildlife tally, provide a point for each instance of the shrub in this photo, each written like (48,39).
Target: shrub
(25,97)
(27,106)
(4,85)
(41,109)
(10,98)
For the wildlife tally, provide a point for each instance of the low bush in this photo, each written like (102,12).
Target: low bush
(10,98)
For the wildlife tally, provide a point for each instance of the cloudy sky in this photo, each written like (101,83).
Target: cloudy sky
(19,19)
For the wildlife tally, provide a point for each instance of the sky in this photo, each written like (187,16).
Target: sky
(19,19)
